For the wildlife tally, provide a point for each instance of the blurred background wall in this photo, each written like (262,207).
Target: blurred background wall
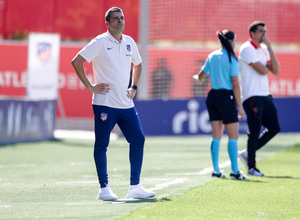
(180,36)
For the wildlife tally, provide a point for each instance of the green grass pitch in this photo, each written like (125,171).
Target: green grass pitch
(57,180)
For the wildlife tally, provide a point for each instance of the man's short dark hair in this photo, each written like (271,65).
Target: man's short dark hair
(254,25)
(111,10)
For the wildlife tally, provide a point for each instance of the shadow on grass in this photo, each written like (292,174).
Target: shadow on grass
(148,200)
(281,177)
(244,181)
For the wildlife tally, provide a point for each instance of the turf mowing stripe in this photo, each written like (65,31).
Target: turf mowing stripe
(76,182)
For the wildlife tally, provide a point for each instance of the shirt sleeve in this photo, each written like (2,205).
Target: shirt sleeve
(248,54)
(136,57)
(205,67)
(90,51)
(234,67)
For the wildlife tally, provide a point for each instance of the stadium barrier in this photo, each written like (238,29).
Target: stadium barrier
(24,120)
(190,116)
(182,65)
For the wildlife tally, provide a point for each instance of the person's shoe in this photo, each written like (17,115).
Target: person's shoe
(139,192)
(243,156)
(218,175)
(254,172)
(106,194)
(238,176)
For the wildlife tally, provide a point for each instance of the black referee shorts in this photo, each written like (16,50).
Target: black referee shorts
(221,105)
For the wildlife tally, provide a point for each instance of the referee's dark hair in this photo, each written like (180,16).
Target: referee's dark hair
(224,37)
(111,10)
(254,25)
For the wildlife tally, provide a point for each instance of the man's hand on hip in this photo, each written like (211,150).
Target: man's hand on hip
(101,88)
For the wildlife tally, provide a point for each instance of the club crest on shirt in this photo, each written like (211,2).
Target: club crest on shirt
(128,47)
(103,116)
(44,51)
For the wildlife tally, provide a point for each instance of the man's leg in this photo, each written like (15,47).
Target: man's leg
(254,110)
(270,122)
(105,120)
(132,130)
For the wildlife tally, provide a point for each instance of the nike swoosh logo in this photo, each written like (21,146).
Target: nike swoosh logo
(109,48)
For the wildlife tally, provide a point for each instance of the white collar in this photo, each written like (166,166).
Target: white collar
(112,37)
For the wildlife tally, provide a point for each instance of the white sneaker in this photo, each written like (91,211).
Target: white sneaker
(255,172)
(106,194)
(139,192)
(243,156)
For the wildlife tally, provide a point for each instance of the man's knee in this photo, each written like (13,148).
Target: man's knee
(139,139)
(254,134)
(100,146)
(275,130)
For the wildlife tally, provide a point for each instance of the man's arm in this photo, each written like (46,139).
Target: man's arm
(272,66)
(136,75)
(261,69)
(77,63)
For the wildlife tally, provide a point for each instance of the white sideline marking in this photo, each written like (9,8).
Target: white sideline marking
(83,203)
(157,187)
(74,134)
(173,182)
(225,164)
(5,184)
(211,169)
(117,175)
(155,179)
(88,176)
(76,182)
(202,172)
(79,134)
(25,165)
(5,206)
(80,163)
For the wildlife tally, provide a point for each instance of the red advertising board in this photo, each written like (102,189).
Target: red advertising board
(75,100)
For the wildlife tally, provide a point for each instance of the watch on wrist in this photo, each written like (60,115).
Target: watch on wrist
(134,87)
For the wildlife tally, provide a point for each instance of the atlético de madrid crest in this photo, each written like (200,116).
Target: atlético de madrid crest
(128,47)
(44,51)
(104,116)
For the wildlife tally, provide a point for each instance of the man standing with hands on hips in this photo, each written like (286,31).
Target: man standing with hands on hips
(256,60)
(111,54)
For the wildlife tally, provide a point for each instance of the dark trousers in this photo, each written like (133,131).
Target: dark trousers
(127,119)
(260,111)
